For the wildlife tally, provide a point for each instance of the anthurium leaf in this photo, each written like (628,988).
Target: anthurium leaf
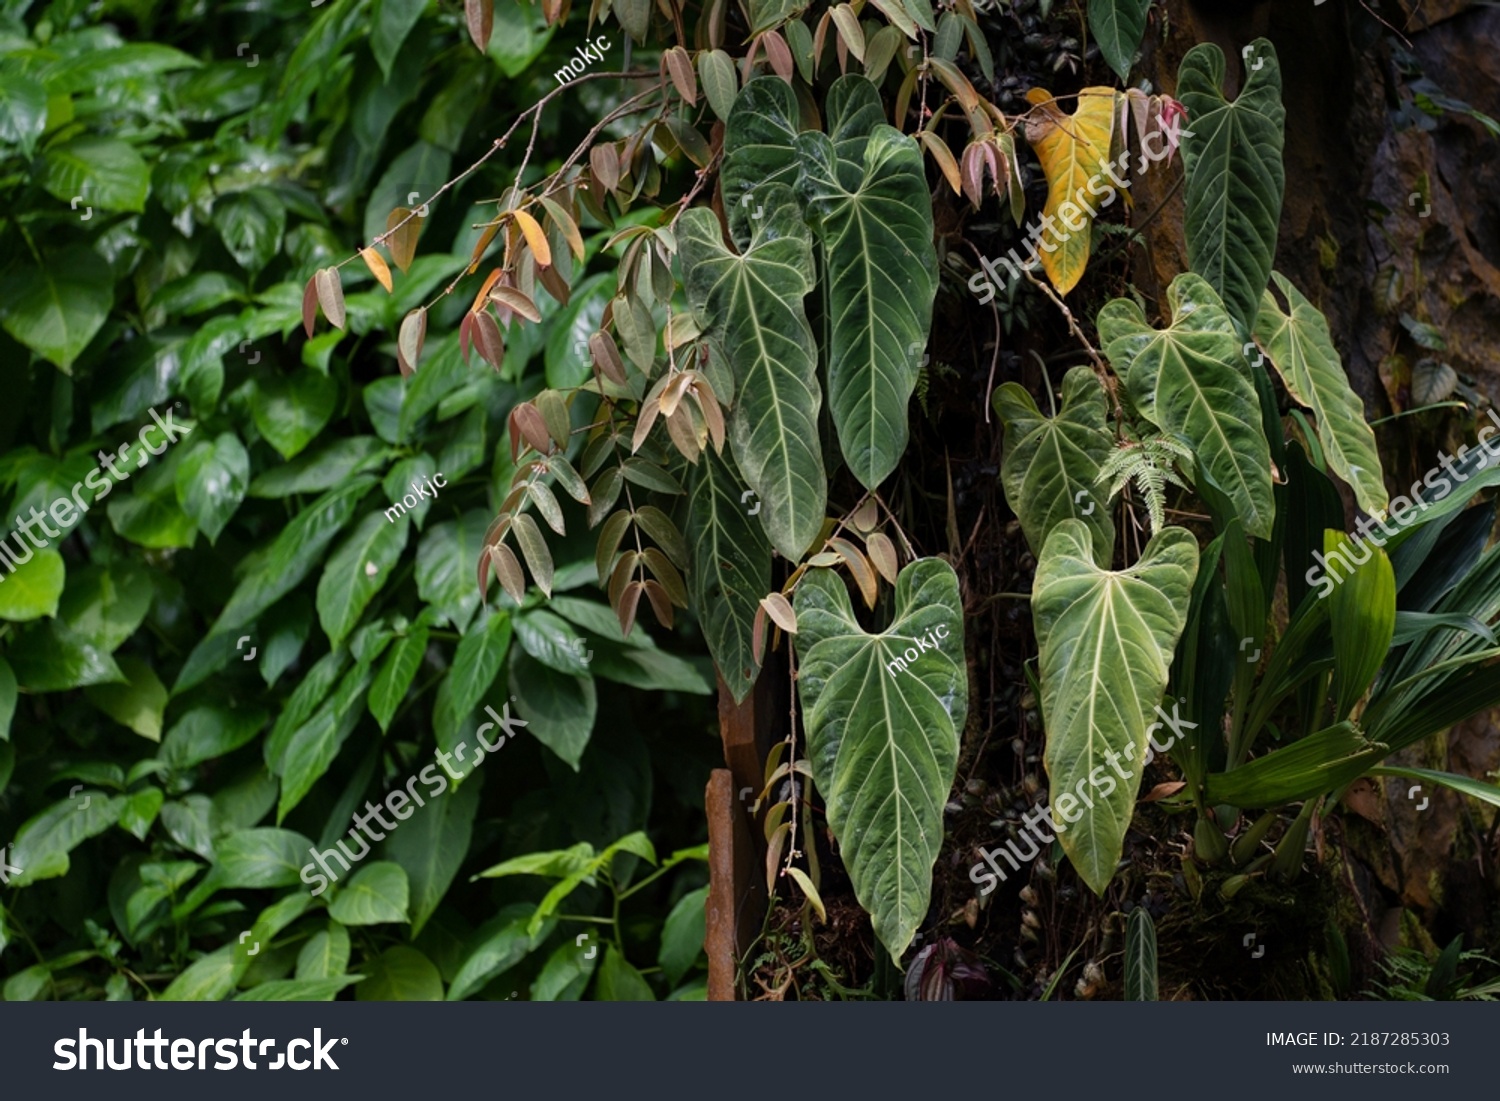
(1117,26)
(881,276)
(1073,150)
(1362,613)
(1140,942)
(883,714)
(1106,639)
(1235,180)
(731,569)
(1051,463)
(1190,380)
(759,150)
(752,304)
(1301,349)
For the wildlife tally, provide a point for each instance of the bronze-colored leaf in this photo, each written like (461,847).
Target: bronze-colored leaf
(331,296)
(465,335)
(644,421)
(536,240)
(403,242)
(859,569)
(684,434)
(671,394)
(376,263)
(661,567)
(972,171)
(508,570)
(680,68)
(779,608)
(568,478)
(606,356)
(657,524)
(605,163)
(940,152)
(554,410)
(605,493)
(480,245)
(609,542)
(865,516)
(487,340)
(310,305)
(546,503)
(410,340)
(713,416)
(758,634)
(661,604)
(514,300)
(534,550)
(621,575)
(480,16)
(779,54)
(882,552)
(533,427)
(556,285)
(626,606)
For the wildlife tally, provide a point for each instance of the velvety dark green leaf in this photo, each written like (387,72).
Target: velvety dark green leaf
(1232,159)
(1190,380)
(1106,640)
(759,151)
(1051,463)
(881,277)
(753,306)
(883,714)
(1140,941)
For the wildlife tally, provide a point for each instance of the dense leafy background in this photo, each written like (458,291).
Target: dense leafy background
(225,155)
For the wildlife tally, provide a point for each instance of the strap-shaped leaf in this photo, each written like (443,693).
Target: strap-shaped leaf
(759,151)
(731,568)
(881,279)
(1190,381)
(1301,349)
(1118,26)
(883,714)
(752,304)
(1051,463)
(1106,640)
(1232,159)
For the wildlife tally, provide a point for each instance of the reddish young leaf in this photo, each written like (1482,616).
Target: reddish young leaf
(882,552)
(779,54)
(859,569)
(480,16)
(534,550)
(412,336)
(310,307)
(331,296)
(779,608)
(532,426)
(465,335)
(625,607)
(609,542)
(605,163)
(508,570)
(555,285)
(680,68)
(513,299)
(565,222)
(480,245)
(487,340)
(660,603)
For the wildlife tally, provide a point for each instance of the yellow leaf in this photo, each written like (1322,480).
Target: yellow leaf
(1073,150)
(535,238)
(376,263)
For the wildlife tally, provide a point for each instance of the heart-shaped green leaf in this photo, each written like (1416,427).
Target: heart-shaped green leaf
(1106,639)
(1190,381)
(731,568)
(1301,349)
(1118,26)
(883,714)
(759,151)
(752,304)
(1232,160)
(1051,463)
(881,276)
